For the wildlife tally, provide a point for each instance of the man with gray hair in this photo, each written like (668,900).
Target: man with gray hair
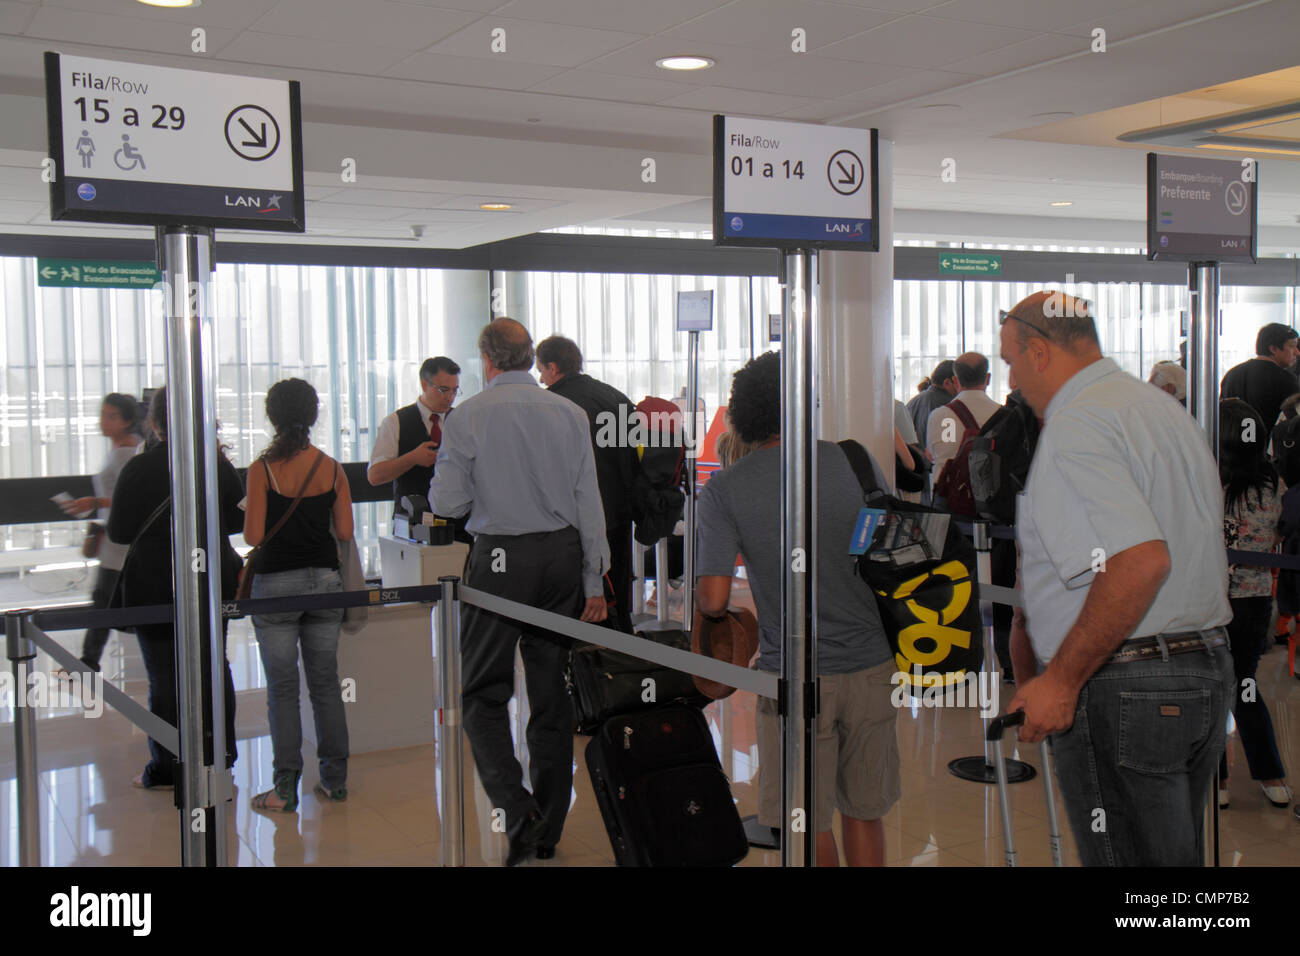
(1120,652)
(1170,378)
(969,409)
(518,460)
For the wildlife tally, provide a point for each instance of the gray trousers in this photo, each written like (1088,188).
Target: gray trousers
(545,571)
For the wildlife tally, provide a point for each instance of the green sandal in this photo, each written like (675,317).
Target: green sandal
(336,796)
(286,789)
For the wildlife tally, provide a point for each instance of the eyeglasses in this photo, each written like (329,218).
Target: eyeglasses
(1003,315)
(445,390)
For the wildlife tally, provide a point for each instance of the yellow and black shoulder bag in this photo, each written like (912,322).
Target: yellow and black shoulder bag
(921,569)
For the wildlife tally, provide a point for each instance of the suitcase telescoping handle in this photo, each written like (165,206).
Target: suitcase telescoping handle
(997,726)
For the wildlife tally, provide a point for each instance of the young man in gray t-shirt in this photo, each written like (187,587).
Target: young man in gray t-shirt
(740,513)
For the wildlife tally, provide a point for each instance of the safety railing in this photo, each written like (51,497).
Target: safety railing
(27,630)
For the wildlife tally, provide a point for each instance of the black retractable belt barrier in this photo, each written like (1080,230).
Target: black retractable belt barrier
(78,618)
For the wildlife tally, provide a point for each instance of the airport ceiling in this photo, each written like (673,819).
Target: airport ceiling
(558,125)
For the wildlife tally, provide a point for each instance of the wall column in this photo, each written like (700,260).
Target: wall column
(855,360)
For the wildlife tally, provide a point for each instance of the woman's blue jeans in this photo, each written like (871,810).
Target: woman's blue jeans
(279,637)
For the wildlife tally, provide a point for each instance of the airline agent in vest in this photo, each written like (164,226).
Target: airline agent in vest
(407,447)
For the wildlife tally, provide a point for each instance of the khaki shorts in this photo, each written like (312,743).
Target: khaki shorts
(857,749)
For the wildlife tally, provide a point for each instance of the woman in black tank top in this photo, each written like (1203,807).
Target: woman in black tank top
(295,494)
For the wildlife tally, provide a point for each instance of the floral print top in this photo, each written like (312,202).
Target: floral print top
(1251,525)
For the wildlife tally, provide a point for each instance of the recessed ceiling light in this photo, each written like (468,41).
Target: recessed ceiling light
(684,63)
(495,206)
(171,3)
(1061,204)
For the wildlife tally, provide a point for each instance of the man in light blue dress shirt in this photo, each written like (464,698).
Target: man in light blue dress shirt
(1125,586)
(519,460)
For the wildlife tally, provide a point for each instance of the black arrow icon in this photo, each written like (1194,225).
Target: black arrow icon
(259,138)
(851,175)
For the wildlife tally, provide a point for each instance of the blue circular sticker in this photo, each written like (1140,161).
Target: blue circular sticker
(737,223)
(86,192)
(1164,240)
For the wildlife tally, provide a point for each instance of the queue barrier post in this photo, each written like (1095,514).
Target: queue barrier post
(451,765)
(21,652)
(989,767)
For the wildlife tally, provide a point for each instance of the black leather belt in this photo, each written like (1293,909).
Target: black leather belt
(1146,648)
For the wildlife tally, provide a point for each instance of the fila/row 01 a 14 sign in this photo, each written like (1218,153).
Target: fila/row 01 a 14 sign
(794,185)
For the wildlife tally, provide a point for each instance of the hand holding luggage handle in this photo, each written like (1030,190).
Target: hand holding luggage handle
(994,734)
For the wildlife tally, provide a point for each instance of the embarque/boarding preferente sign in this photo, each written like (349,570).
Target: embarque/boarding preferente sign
(134,143)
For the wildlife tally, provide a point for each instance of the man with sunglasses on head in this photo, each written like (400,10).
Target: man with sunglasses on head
(406,450)
(1120,652)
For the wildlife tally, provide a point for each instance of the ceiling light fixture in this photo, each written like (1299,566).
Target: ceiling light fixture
(1261,129)
(1061,204)
(495,206)
(685,62)
(170,3)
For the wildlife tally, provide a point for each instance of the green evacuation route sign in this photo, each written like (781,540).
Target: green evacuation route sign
(964,264)
(96,274)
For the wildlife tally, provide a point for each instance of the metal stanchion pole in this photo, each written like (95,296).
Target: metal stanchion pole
(638,577)
(692,453)
(983,768)
(451,805)
(21,652)
(798,707)
(660,622)
(1203,404)
(186,259)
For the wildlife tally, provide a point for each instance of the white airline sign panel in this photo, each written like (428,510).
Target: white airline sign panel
(794,184)
(139,143)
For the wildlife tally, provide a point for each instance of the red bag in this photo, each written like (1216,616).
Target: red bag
(954,481)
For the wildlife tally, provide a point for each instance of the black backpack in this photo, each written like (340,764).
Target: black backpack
(930,608)
(657,496)
(1000,456)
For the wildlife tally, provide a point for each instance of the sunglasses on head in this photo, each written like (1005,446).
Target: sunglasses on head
(1003,315)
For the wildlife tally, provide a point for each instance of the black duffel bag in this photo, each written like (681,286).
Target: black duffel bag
(603,683)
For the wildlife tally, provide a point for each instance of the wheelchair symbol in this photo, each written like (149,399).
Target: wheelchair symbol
(128,152)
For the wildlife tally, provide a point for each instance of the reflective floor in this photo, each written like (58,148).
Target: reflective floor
(91,815)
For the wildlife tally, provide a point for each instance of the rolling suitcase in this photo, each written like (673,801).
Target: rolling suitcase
(662,792)
(603,683)
(996,727)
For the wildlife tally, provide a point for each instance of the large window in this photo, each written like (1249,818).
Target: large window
(357,334)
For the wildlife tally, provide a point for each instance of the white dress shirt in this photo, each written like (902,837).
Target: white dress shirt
(981,408)
(386,444)
(521,458)
(1120,463)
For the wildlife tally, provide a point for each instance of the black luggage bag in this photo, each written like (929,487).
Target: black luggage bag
(603,683)
(662,792)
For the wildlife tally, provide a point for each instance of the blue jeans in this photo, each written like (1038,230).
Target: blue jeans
(278,637)
(1136,765)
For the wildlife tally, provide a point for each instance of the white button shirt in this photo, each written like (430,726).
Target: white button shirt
(386,444)
(1119,463)
(981,408)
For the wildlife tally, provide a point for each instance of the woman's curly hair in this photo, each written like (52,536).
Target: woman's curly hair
(292,406)
(755,405)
